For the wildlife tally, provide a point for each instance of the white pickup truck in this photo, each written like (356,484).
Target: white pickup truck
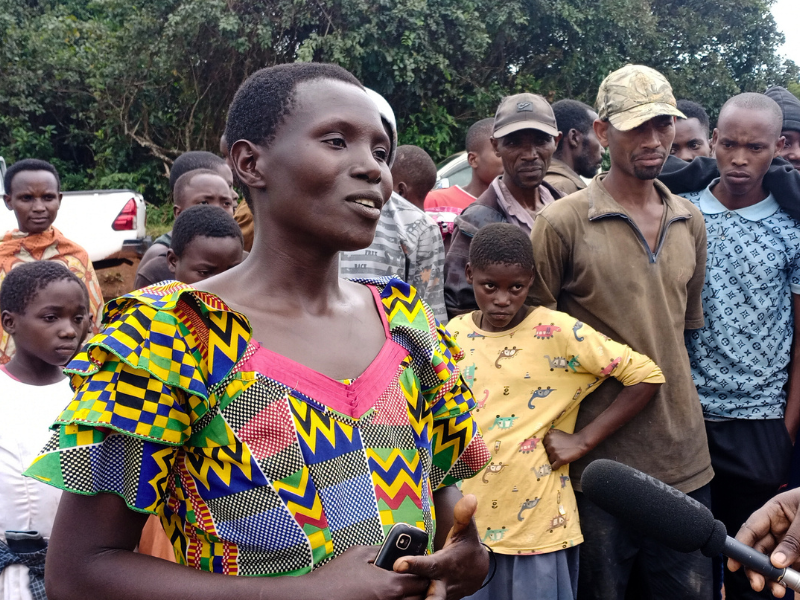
(109,224)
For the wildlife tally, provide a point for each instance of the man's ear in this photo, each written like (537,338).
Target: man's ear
(172,261)
(8,321)
(779,147)
(244,156)
(714,139)
(7,200)
(472,159)
(402,189)
(468,272)
(574,138)
(601,131)
(494,142)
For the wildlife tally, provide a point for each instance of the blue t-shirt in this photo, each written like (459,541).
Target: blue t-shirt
(740,357)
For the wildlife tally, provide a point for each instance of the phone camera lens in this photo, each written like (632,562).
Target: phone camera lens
(403,541)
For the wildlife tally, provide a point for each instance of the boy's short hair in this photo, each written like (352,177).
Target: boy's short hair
(478,133)
(501,243)
(693,110)
(415,167)
(29,164)
(203,220)
(192,161)
(757,102)
(23,284)
(184,180)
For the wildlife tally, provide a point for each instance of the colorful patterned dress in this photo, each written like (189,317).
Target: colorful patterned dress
(258,465)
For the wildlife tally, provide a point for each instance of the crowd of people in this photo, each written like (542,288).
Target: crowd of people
(347,348)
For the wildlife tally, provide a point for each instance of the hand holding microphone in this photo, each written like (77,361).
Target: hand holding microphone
(773,529)
(683,524)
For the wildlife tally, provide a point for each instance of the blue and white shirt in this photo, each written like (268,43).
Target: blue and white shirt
(740,357)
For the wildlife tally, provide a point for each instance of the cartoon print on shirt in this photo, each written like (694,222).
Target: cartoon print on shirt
(494,535)
(575,329)
(504,422)
(475,335)
(564,480)
(560,520)
(543,471)
(529,445)
(574,364)
(611,366)
(559,362)
(493,469)
(506,353)
(469,375)
(497,446)
(539,393)
(506,391)
(545,332)
(482,402)
(527,505)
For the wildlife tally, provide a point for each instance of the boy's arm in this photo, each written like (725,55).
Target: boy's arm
(91,556)
(563,448)
(603,357)
(791,414)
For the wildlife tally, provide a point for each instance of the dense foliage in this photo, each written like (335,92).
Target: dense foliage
(113,90)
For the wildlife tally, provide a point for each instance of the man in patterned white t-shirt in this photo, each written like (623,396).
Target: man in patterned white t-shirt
(741,359)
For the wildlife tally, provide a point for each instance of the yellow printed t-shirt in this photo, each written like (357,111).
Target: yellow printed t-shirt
(527,380)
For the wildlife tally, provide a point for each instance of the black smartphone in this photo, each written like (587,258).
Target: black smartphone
(402,540)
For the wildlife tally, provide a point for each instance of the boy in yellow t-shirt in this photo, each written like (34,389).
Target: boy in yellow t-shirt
(529,368)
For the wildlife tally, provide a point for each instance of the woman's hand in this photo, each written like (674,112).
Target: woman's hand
(352,575)
(459,568)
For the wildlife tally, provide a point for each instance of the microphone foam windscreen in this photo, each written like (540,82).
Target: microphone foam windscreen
(648,505)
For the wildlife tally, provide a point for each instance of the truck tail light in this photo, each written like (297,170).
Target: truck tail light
(126,219)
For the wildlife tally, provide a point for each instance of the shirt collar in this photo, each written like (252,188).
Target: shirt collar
(514,209)
(709,205)
(559,167)
(602,204)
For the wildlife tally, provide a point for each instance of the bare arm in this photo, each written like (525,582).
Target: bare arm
(563,448)
(792,412)
(91,556)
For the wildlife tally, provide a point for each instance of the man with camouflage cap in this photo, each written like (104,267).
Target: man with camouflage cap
(628,258)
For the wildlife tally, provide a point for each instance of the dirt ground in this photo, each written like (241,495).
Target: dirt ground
(116,281)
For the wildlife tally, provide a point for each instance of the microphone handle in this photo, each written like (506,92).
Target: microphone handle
(760,563)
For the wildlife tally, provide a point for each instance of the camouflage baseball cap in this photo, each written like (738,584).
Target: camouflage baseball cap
(633,95)
(524,111)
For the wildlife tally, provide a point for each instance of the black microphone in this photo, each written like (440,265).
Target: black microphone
(669,516)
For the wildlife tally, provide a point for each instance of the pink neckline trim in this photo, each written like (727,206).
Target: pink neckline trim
(4,370)
(353,399)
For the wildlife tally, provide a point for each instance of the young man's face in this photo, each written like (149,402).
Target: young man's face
(485,162)
(500,292)
(641,151)
(54,324)
(791,147)
(745,142)
(205,257)
(35,199)
(591,156)
(324,178)
(207,189)
(691,140)
(526,156)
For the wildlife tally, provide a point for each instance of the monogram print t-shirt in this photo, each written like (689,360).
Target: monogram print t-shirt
(526,381)
(740,358)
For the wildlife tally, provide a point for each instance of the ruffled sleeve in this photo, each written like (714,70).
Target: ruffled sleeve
(139,386)
(458,449)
